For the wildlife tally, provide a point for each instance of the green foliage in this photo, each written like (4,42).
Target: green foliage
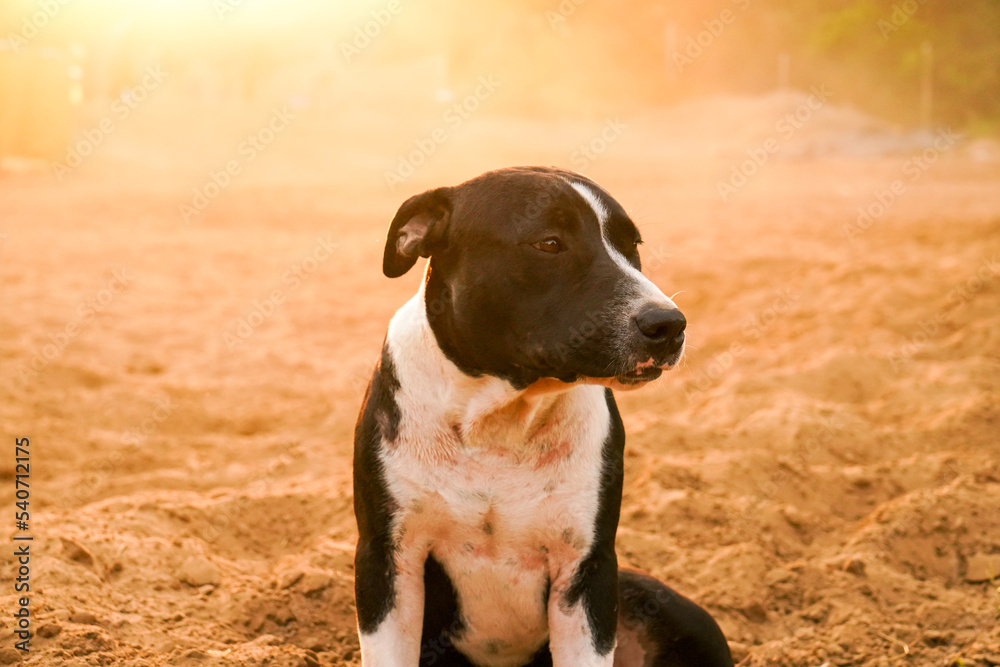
(878,46)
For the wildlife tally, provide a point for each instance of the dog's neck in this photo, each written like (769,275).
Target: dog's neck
(479,410)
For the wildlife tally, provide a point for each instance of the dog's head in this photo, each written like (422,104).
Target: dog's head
(534,273)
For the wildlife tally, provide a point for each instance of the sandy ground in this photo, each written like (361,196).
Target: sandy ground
(823,473)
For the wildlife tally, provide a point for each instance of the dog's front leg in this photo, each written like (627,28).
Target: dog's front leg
(583,612)
(389,586)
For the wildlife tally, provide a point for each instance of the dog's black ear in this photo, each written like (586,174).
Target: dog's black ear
(418,230)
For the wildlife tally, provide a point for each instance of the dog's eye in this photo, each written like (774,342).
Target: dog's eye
(549,244)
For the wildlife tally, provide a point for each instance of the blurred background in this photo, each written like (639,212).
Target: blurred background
(568,57)
(911,63)
(193,203)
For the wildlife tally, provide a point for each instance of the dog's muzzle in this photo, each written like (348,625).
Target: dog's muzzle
(662,342)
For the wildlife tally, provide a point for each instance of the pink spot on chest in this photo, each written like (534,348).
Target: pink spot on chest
(554,454)
(534,559)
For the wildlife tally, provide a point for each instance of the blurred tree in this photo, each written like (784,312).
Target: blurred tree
(873,49)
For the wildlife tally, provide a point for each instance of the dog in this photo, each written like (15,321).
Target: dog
(488,457)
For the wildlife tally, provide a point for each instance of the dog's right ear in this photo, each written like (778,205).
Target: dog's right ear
(418,230)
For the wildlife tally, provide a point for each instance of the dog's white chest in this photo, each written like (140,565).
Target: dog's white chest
(505,518)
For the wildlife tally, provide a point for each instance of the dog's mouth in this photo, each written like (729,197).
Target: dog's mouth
(643,372)
(640,375)
(646,371)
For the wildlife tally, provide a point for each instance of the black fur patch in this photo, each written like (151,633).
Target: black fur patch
(442,618)
(679,632)
(374,568)
(596,581)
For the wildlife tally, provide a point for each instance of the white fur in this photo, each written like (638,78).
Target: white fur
(396,641)
(500,485)
(571,643)
(645,291)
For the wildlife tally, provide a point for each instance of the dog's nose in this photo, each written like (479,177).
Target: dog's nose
(661,325)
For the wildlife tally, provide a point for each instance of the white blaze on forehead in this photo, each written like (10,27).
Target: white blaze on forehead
(595,203)
(646,291)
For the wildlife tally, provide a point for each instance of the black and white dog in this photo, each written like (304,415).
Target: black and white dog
(488,454)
